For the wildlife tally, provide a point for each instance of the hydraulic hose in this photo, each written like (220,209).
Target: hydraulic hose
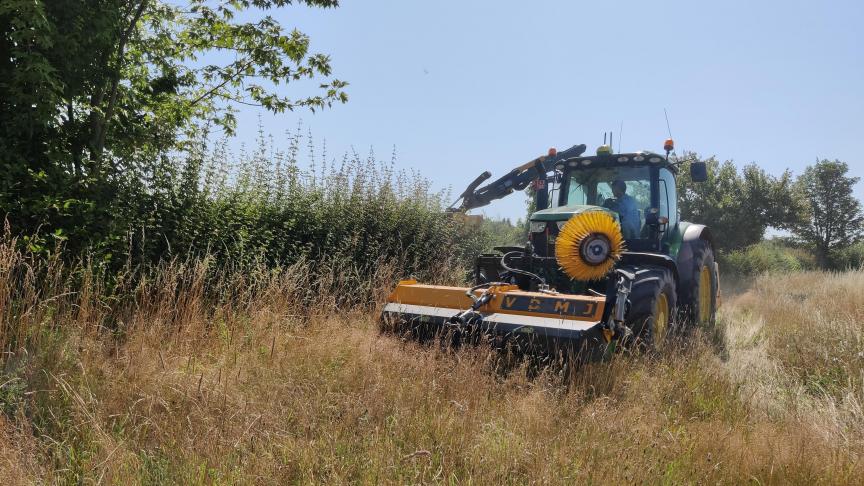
(518,271)
(470,292)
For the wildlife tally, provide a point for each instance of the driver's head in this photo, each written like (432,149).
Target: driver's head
(619,188)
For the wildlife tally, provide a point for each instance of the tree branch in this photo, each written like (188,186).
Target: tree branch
(221,85)
(101,131)
(75,149)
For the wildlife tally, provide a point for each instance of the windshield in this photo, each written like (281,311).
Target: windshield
(625,190)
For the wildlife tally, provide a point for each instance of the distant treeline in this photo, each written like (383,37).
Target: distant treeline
(817,210)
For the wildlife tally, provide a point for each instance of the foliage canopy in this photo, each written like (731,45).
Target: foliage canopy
(95,93)
(738,206)
(834,220)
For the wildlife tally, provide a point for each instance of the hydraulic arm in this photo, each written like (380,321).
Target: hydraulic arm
(516,180)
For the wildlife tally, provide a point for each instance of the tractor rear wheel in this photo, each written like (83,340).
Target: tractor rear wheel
(702,307)
(652,307)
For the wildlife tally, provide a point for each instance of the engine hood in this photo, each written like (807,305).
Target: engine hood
(563,213)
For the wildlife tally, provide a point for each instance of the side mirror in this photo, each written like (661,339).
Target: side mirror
(698,172)
(653,218)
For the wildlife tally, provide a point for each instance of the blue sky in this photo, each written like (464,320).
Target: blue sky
(459,87)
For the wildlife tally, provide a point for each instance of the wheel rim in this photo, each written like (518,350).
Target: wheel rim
(704,295)
(661,317)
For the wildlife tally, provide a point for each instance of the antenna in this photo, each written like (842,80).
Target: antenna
(667,123)
(620,135)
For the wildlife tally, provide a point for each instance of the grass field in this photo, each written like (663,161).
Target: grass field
(184,389)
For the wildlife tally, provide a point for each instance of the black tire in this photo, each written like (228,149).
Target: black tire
(650,285)
(703,258)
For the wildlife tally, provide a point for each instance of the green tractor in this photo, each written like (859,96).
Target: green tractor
(607,259)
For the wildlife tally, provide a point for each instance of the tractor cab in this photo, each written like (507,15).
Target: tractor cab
(637,189)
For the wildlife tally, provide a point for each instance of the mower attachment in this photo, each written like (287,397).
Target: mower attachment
(499,310)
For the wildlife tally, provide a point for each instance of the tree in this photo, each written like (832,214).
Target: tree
(93,92)
(738,207)
(502,232)
(834,219)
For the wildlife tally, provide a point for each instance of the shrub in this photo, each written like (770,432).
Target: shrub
(849,258)
(502,232)
(767,256)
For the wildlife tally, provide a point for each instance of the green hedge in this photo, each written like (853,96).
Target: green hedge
(349,215)
(848,258)
(767,256)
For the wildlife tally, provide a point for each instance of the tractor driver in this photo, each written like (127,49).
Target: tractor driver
(625,206)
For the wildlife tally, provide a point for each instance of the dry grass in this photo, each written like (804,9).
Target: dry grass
(173,386)
(800,340)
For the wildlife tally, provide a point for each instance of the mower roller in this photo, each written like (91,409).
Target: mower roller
(607,261)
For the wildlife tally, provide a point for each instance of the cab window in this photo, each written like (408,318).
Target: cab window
(668,205)
(577,193)
(594,186)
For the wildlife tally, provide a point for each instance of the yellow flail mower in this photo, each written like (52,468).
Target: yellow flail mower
(607,260)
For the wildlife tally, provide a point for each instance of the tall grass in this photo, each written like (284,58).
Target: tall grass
(814,327)
(223,375)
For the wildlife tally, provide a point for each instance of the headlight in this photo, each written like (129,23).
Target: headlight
(538,226)
(561,225)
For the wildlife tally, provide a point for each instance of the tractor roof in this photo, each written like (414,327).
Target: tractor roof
(612,160)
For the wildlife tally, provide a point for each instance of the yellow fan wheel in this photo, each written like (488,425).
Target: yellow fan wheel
(588,245)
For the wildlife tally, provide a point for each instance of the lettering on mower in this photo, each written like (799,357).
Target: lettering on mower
(549,305)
